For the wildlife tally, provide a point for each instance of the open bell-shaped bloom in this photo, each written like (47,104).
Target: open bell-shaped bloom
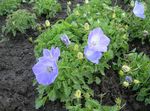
(54,53)
(92,55)
(97,44)
(45,71)
(65,40)
(138,10)
(97,40)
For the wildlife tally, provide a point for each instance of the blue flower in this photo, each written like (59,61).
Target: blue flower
(98,41)
(128,79)
(45,71)
(54,53)
(97,44)
(65,40)
(138,9)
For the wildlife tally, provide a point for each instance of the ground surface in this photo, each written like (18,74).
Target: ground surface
(16,77)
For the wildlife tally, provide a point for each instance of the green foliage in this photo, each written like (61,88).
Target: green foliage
(8,6)
(47,7)
(77,74)
(140,70)
(19,21)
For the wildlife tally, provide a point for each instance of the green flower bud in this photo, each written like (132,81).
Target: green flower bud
(86,1)
(125,84)
(47,23)
(69,3)
(136,81)
(86,26)
(121,73)
(80,55)
(78,94)
(114,15)
(76,47)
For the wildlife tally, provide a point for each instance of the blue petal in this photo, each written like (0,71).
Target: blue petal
(138,10)
(92,55)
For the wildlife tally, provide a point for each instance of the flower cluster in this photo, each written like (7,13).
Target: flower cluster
(97,44)
(46,69)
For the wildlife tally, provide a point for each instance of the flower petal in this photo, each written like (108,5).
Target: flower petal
(46,52)
(138,9)
(98,41)
(92,55)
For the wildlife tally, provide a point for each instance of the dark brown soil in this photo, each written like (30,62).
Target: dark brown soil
(136,44)
(111,89)
(16,77)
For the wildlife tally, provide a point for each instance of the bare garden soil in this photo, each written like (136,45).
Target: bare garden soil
(17,92)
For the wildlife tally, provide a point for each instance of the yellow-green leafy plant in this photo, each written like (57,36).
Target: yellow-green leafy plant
(19,21)
(47,7)
(8,6)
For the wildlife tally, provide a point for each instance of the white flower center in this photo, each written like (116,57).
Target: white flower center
(49,68)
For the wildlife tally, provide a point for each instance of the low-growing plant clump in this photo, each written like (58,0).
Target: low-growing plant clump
(8,6)
(19,21)
(81,61)
(46,7)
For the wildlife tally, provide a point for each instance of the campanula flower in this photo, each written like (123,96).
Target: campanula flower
(65,39)
(91,55)
(45,71)
(128,79)
(138,9)
(53,54)
(97,43)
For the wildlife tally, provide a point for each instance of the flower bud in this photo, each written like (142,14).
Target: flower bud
(30,39)
(86,1)
(114,15)
(145,33)
(80,55)
(128,79)
(39,28)
(125,84)
(77,13)
(78,94)
(86,26)
(76,47)
(132,3)
(121,73)
(126,68)
(69,3)
(47,23)
(136,81)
